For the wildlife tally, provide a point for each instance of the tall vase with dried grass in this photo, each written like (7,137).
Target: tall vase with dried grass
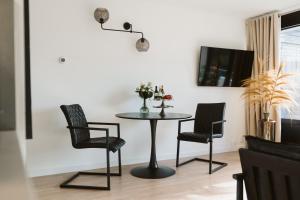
(269,90)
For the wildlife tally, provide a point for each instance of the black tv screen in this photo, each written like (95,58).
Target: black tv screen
(224,67)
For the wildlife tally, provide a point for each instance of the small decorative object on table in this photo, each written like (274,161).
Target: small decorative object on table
(145,92)
(160,96)
(268,90)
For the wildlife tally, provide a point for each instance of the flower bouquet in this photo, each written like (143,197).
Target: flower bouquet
(145,91)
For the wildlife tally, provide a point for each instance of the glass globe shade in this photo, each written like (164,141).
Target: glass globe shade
(101,15)
(142,45)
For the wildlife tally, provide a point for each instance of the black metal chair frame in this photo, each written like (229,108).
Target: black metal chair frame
(108,174)
(239,185)
(210,161)
(268,176)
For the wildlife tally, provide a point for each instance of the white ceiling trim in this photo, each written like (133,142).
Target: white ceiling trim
(289,10)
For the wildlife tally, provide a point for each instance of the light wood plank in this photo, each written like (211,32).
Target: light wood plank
(190,182)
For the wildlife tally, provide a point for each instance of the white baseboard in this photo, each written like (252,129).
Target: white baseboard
(129,161)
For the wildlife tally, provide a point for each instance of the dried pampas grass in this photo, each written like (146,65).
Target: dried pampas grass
(270,89)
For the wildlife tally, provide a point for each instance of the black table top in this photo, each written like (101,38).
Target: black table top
(153,115)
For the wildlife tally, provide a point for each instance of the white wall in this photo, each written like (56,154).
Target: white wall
(19,74)
(102,70)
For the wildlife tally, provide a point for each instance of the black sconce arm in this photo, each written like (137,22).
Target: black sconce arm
(101,15)
(125,31)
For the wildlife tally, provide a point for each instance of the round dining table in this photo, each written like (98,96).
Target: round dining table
(152,171)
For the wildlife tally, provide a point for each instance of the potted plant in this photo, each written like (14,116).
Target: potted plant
(269,90)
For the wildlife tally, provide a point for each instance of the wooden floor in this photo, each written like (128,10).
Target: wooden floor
(190,182)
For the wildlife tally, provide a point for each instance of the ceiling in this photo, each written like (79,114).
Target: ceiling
(244,8)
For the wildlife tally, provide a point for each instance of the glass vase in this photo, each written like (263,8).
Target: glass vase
(266,127)
(144,109)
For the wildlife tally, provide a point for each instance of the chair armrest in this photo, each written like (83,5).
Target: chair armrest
(215,123)
(104,123)
(238,176)
(90,128)
(218,122)
(109,124)
(239,185)
(183,120)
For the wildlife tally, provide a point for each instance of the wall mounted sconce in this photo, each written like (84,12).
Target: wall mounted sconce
(102,15)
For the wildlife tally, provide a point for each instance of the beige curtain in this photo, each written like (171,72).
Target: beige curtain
(263,35)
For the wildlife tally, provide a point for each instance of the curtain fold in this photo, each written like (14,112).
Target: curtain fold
(263,35)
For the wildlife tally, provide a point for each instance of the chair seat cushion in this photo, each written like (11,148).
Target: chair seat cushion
(100,142)
(196,137)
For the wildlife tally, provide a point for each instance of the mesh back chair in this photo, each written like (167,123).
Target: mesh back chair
(270,171)
(208,124)
(80,136)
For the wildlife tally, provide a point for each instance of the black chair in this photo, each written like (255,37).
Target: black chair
(80,135)
(271,171)
(209,121)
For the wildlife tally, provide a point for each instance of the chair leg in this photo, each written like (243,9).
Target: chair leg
(108,168)
(210,157)
(239,186)
(120,162)
(177,155)
(210,161)
(66,184)
(239,189)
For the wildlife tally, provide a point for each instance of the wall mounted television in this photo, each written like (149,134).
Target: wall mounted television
(224,67)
